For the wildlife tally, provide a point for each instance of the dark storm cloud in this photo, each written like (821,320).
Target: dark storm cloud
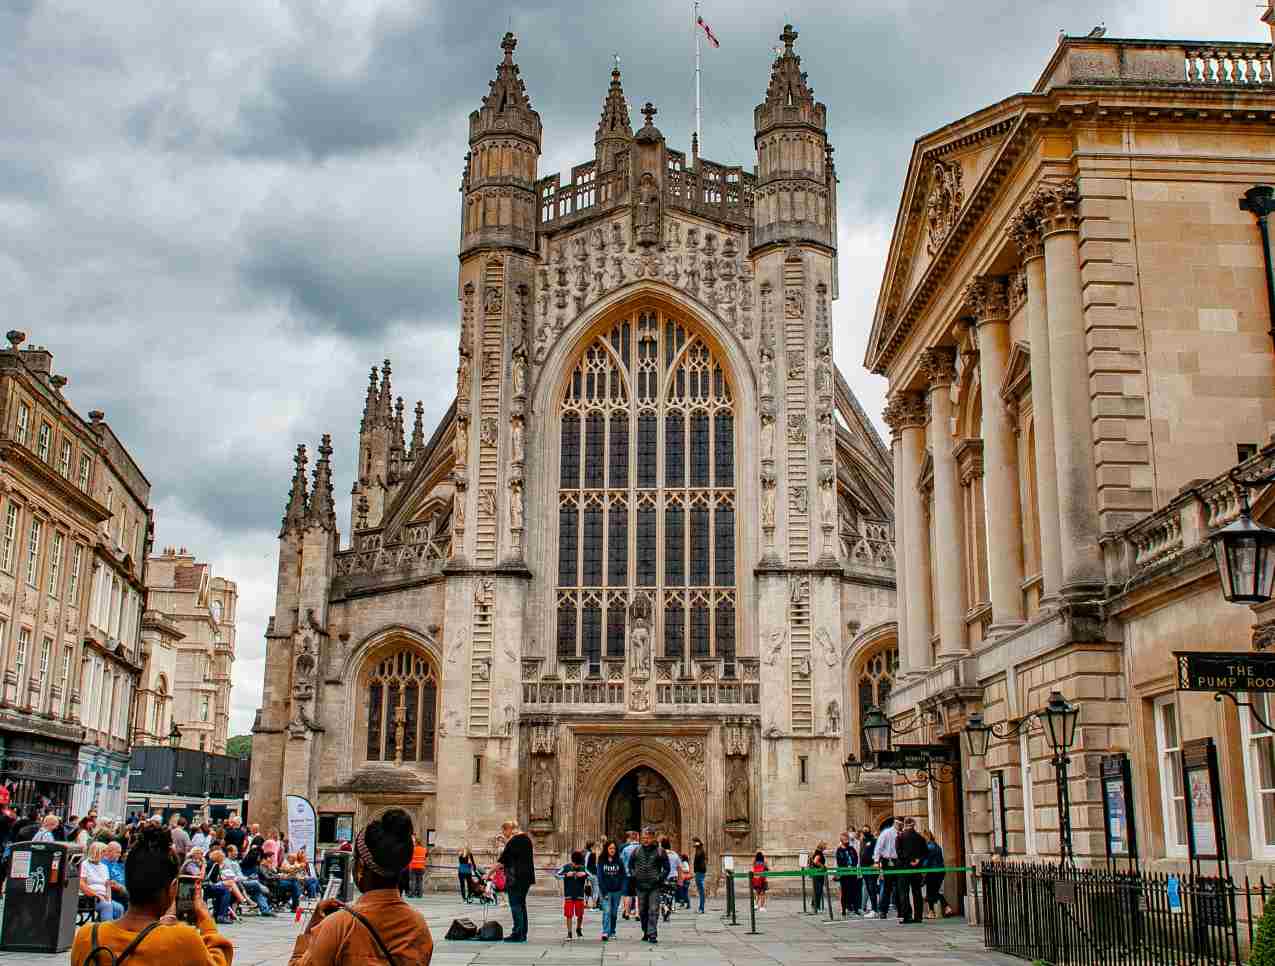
(218,215)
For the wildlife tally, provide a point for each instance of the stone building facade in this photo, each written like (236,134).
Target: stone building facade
(190,630)
(73,538)
(1074,323)
(630,575)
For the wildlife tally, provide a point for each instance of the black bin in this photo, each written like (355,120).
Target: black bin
(337,864)
(40,897)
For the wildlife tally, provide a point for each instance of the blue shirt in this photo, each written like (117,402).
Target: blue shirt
(626,856)
(116,869)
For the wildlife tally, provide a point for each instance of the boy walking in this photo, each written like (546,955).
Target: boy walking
(574,875)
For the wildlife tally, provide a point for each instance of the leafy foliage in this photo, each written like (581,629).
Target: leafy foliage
(1264,945)
(239,746)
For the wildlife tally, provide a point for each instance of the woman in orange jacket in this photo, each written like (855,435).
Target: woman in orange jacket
(420,859)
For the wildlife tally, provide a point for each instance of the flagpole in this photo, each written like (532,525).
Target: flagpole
(698,134)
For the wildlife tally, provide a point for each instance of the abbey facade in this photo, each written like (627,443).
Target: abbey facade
(642,570)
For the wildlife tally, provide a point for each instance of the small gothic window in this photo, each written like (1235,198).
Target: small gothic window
(618,545)
(591,636)
(724,546)
(591,557)
(674,450)
(568,522)
(566,629)
(646,548)
(594,429)
(699,546)
(402,698)
(876,678)
(699,450)
(570,461)
(619,452)
(615,630)
(648,450)
(674,631)
(724,450)
(674,547)
(699,631)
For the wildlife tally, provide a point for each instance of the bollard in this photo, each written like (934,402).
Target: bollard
(730,898)
(802,876)
(752,909)
(827,893)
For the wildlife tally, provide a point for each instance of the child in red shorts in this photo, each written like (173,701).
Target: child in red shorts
(574,875)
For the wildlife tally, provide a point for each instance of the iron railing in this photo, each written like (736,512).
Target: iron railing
(1076,917)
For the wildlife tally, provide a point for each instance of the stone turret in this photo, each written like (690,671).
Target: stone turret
(294,514)
(615,131)
(499,186)
(795,198)
(379,433)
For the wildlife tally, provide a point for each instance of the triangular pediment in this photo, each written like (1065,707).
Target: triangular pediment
(1018,371)
(949,171)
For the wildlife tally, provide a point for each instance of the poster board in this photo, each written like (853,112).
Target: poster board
(1117,809)
(1000,841)
(302,825)
(1199,779)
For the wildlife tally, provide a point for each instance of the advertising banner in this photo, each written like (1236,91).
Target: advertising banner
(301,825)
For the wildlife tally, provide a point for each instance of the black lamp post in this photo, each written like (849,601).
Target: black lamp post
(1058,719)
(1245,551)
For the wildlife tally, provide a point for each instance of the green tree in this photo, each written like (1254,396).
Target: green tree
(1264,945)
(239,746)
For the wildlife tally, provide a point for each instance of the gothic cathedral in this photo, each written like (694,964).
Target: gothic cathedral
(630,576)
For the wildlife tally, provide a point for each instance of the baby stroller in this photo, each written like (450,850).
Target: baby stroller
(668,897)
(483,889)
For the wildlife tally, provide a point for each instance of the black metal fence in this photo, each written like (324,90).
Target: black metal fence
(1076,917)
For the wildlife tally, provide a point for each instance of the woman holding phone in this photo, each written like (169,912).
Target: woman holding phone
(150,874)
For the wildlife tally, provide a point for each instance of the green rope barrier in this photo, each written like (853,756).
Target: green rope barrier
(845,872)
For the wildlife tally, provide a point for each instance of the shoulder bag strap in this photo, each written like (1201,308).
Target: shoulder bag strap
(376,936)
(115,960)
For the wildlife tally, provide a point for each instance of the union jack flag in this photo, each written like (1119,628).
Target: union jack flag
(708,31)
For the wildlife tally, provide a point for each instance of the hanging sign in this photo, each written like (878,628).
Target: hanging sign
(301,825)
(1225,671)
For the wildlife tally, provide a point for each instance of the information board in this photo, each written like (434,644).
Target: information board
(1225,671)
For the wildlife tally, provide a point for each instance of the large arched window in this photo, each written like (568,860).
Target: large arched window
(646,503)
(401,694)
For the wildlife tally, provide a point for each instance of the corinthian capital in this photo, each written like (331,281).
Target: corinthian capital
(939,366)
(1056,206)
(1024,231)
(905,409)
(987,298)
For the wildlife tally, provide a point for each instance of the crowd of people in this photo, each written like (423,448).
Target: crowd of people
(898,867)
(143,925)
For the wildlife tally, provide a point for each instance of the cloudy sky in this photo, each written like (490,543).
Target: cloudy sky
(219,213)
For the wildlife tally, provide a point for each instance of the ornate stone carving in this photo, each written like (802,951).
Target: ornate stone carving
(688,749)
(305,668)
(487,502)
(543,737)
(542,788)
(796,363)
(639,698)
(463,378)
(519,370)
(458,511)
(460,446)
(493,301)
(467,320)
(777,638)
(944,203)
(484,592)
(797,428)
(516,512)
(824,639)
(737,739)
(647,212)
(904,410)
(1263,635)
(827,437)
(457,648)
(939,365)
(1017,290)
(834,717)
(1056,206)
(798,588)
(738,795)
(768,486)
(799,500)
(590,749)
(488,431)
(987,298)
(491,365)
(767,435)
(794,303)
(1024,231)
(517,441)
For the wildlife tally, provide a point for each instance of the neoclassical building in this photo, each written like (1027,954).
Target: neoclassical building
(1075,325)
(642,569)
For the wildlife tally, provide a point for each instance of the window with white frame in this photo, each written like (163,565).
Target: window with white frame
(20,656)
(10,537)
(46,652)
(1259,774)
(24,424)
(33,553)
(85,466)
(1168,742)
(64,679)
(73,582)
(64,461)
(44,441)
(104,701)
(203,708)
(1029,796)
(55,564)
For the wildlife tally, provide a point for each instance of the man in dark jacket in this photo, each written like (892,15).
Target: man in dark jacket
(649,869)
(517,858)
(912,849)
(851,885)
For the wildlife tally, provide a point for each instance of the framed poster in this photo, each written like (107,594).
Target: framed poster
(1117,808)
(1199,778)
(1000,843)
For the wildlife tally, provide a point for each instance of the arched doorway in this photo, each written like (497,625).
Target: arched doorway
(640,798)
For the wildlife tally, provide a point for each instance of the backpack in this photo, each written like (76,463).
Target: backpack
(491,932)
(92,960)
(462,929)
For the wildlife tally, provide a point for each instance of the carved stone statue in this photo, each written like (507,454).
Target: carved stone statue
(823,374)
(738,800)
(767,373)
(648,211)
(542,791)
(462,379)
(834,717)
(520,373)
(768,488)
(639,648)
(458,509)
(460,444)
(777,638)
(515,504)
(517,448)
(767,436)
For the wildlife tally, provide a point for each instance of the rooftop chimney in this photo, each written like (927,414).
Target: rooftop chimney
(38,359)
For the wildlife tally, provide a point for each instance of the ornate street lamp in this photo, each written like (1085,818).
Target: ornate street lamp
(876,729)
(174,737)
(1245,551)
(1058,721)
(853,768)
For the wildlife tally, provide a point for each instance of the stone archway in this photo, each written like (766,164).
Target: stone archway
(642,798)
(678,762)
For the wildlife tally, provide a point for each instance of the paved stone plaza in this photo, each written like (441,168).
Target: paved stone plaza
(785,936)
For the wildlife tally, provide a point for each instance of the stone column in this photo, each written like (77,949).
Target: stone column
(988,299)
(1026,234)
(939,365)
(895,420)
(906,415)
(1055,206)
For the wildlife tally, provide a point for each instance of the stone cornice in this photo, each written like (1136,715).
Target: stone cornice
(898,310)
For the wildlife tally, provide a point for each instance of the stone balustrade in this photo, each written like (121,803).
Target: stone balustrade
(1098,61)
(1238,65)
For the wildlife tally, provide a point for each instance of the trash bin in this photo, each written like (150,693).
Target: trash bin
(41,897)
(336,863)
